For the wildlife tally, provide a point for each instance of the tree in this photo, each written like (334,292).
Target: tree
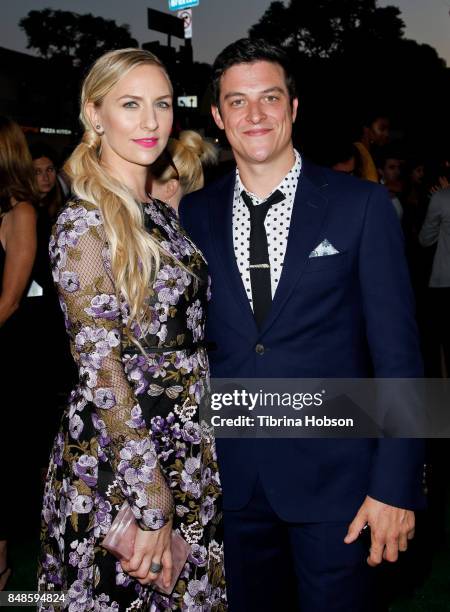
(71,38)
(324,28)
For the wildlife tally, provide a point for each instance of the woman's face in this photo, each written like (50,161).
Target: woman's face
(135,118)
(45,174)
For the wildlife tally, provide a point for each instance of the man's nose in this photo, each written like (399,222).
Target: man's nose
(255,112)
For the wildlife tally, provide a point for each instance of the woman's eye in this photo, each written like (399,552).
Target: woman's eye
(130,104)
(163,104)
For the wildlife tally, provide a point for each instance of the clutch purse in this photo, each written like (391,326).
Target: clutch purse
(119,541)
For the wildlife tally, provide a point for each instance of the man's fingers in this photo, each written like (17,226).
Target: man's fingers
(376,552)
(403,542)
(390,552)
(411,533)
(355,528)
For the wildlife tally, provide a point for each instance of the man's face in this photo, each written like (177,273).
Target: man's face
(392,170)
(379,131)
(255,111)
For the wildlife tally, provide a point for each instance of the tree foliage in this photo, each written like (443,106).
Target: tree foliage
(324,28)
(72,38)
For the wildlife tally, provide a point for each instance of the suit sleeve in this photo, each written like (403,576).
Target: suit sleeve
(388,304)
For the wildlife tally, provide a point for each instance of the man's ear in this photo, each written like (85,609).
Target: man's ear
(294,109)
(171,187)
(216,116)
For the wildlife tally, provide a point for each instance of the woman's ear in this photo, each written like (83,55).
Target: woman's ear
(93,116)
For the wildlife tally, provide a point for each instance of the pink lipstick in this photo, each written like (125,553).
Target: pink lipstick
(147,143)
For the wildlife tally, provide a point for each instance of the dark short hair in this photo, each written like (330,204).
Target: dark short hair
(248,51)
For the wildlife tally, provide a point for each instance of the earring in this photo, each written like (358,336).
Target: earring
(98,127)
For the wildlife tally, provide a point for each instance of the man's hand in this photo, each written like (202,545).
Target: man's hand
(390,527)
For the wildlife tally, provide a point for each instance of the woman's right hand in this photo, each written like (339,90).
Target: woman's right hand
(151,547)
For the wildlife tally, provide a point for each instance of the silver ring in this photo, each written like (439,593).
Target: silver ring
(155,568)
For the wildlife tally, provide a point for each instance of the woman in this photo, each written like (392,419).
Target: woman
(17,251)
(179,170)
(134,290)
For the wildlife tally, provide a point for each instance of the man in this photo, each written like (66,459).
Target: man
(339,305)
(390,166)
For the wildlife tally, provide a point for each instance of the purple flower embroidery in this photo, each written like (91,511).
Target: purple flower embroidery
(154,519)
(94,343)
(194,320)
(191,477)
(207,510)
(69,281)
(170,284)
(198,555)
(104,399)
(73,222)
(86,468)
(104,306)
(197,595)
(138,461)
(136,421)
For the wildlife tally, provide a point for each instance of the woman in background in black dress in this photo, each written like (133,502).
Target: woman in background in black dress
(18,196)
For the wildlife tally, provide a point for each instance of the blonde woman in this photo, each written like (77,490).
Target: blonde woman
(179,170)
(133,289)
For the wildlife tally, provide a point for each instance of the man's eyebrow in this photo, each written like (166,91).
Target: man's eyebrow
(275,88)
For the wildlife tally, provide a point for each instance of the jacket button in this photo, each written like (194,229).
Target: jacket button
(259,348)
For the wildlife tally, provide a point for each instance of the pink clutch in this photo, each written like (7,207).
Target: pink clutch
(119,541)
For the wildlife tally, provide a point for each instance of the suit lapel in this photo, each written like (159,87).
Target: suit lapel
(308,214)
(221,226)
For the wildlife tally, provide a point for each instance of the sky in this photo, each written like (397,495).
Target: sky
(217,22)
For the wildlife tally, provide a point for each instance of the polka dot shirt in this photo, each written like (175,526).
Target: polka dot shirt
(277,225)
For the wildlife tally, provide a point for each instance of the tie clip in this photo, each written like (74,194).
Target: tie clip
(259,266)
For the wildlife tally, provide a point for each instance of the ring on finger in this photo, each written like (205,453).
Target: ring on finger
(155,568)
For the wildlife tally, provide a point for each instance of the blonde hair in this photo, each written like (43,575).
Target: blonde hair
(17,176)
(184,160)
(135,255)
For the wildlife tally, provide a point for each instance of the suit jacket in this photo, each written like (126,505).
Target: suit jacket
(346,315)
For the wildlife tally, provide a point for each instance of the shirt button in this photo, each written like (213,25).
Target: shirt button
(259,348)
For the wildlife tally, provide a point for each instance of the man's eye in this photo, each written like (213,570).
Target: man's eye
(271,98)
(236,103)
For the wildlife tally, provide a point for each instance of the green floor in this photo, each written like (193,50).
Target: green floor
(423,578)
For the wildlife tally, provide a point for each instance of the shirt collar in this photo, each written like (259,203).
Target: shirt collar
(293,174)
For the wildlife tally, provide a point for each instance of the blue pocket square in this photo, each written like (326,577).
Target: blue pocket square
(324,248)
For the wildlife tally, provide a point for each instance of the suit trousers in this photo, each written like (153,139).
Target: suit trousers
(274,565)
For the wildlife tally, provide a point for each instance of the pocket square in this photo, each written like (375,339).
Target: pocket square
(324,248)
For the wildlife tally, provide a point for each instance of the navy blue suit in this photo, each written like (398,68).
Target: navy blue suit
(347,315)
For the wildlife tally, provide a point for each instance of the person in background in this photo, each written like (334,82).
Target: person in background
(179,170)
(390,164)
(375,133)
(436,230)
(18,197)
(46,321)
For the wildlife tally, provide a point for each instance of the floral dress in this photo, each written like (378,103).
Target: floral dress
(131,430)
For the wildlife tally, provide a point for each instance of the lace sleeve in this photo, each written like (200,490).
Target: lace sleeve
(87,293)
